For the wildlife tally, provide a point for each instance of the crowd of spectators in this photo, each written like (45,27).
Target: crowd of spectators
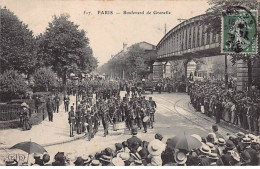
(239,149)
(237,107)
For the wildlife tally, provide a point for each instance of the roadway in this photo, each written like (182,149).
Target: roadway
(174,115)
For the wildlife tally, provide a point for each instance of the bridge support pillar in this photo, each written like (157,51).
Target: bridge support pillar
(242,75)
(157,70)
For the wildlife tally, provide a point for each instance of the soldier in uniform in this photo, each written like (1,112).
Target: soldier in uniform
(105,120)
(217,109)
(89,120)
(152,106)
(57,103)
(143,114)
(79,117)
(50,109)
(71,120)
(66,102)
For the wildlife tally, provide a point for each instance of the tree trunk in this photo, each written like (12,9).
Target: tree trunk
(64,80)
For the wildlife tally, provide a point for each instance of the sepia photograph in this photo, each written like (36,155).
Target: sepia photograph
(129,83)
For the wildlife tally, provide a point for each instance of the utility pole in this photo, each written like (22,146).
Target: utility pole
(164,29)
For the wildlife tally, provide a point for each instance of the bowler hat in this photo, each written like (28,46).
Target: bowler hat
(245,156)
(240,134)
(79,161)
(118,146)
(134,130)
(158,136)
(230,145)
(108,151)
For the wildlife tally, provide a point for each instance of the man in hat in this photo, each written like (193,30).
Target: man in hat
(134,142)
(227,156)
(50,108)
(57,103)
(66,101)
(215,130)
(217,109)
(155,148)
(247,148)
(71,120)
(37,158)
(203,155)
(105,121)
(79,161)
(152,106)
(24,117)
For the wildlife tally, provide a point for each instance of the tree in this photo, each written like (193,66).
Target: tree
(12,86)
(44,79)
(66,48)
(17,49)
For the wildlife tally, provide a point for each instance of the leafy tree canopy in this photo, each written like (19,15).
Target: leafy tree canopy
(17,49)
(66,48)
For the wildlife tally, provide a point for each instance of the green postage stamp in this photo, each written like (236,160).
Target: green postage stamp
(239,31)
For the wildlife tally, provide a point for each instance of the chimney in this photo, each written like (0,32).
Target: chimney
(124,47)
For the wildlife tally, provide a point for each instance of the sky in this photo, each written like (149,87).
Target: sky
(108,32)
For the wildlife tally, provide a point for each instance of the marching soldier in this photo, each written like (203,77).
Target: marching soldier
(79,117)
(71,120)
(105,121)
(144,118)
(152,105)
(66,102)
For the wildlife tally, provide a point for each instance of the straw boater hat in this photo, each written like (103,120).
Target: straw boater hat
(105,158)
(86,158)
(211,146)
(213,156)
(246,140)
(124,156)
(197,137)
(205,149)
(95,163)
(221,142)
(118,162)
(155,147)
(180,157)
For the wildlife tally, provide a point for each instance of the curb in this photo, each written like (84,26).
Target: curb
(53,143)
(222,122)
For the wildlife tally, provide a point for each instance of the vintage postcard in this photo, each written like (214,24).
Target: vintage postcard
(129,83)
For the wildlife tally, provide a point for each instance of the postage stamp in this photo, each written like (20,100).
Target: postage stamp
(239,31)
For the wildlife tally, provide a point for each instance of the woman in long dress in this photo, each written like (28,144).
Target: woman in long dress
(25,113)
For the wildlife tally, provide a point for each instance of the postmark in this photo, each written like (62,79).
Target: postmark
(239,31)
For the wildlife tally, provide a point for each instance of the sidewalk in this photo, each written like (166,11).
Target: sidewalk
(46,133)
